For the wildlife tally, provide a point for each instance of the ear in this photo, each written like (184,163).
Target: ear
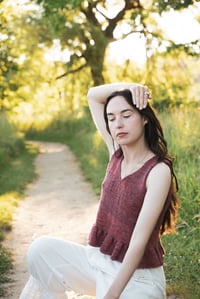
(145,121)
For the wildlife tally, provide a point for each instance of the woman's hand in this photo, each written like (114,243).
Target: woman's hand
(140,95)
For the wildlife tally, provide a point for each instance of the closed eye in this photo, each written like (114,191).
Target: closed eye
(111,118)
(127,116)
(127,113)
(124,113)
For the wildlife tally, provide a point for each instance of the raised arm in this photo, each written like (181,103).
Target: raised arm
(97,97)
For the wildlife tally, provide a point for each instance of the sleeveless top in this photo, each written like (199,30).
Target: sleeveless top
(120,205)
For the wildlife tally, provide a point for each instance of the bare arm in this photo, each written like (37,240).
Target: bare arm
(152,207)
(97,97)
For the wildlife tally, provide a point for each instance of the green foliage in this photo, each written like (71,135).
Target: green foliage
(91,154)
(16,162)
(14,155)
(191,48)
(28,33)
(34,98)
(8,65)
(182,263)
(171,4)
(22,52)
(86,35)
(5,265)
(182,129)
(170,79)
(11,143)
(50,5)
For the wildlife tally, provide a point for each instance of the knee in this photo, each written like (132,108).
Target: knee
(42,260)
(37,250)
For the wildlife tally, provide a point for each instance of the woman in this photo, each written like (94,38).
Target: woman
(124,255)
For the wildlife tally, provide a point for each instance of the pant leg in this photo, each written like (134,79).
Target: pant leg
(142,285)
(56,266)
(146,284)
(34,290)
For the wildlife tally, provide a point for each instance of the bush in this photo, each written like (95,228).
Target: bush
(11,143)
(182,129)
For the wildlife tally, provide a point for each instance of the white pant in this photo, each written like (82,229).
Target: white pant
(57,266)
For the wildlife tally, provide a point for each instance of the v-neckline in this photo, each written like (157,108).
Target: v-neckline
(134,172)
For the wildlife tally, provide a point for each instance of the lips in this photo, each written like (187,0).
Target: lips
(121,134)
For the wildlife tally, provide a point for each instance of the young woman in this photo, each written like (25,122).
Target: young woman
(124,255)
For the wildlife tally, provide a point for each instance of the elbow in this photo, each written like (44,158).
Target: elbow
(90,94)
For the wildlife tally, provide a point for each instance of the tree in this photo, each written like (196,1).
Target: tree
(170,79)
(21,40)
(86,28)
(8,65)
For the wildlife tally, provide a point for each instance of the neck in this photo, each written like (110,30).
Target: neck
(134,159)
(133,155)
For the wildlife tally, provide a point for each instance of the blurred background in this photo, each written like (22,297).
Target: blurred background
(52,52)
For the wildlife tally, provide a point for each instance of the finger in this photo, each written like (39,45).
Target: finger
(147,94)
(137,97)
(140,96)
(133,95)
(146,97)
(143,96)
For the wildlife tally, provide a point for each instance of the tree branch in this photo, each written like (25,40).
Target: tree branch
(71,71)
(129,5)
(89,13)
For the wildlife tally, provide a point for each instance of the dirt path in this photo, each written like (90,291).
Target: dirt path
(58,203)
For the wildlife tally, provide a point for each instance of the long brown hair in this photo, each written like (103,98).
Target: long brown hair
(154,137)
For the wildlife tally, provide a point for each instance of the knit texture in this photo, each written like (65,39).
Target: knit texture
(120,205)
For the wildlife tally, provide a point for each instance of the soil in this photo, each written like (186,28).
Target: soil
(58,203)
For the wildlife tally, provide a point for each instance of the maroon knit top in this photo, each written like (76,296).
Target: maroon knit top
(120,205)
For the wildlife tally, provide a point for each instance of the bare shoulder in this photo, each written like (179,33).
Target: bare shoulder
(159,172)
(158,182)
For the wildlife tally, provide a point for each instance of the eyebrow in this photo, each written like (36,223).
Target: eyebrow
(125,110)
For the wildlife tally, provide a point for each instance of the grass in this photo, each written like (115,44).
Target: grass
(13,181)
(17,169)
(5,266)
(81,136)
(183,249)
(182,130)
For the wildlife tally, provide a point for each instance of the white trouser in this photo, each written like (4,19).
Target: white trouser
(57,266)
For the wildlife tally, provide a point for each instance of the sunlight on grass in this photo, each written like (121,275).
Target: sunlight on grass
(182,131)
(8,203)
(97,140)
(93,161)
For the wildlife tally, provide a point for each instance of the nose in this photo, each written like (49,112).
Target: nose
(119,122)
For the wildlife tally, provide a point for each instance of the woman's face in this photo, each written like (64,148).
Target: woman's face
(125,123)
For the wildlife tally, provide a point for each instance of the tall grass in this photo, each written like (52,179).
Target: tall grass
(16,162)
(11,143)
(182,131)
(81,136)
